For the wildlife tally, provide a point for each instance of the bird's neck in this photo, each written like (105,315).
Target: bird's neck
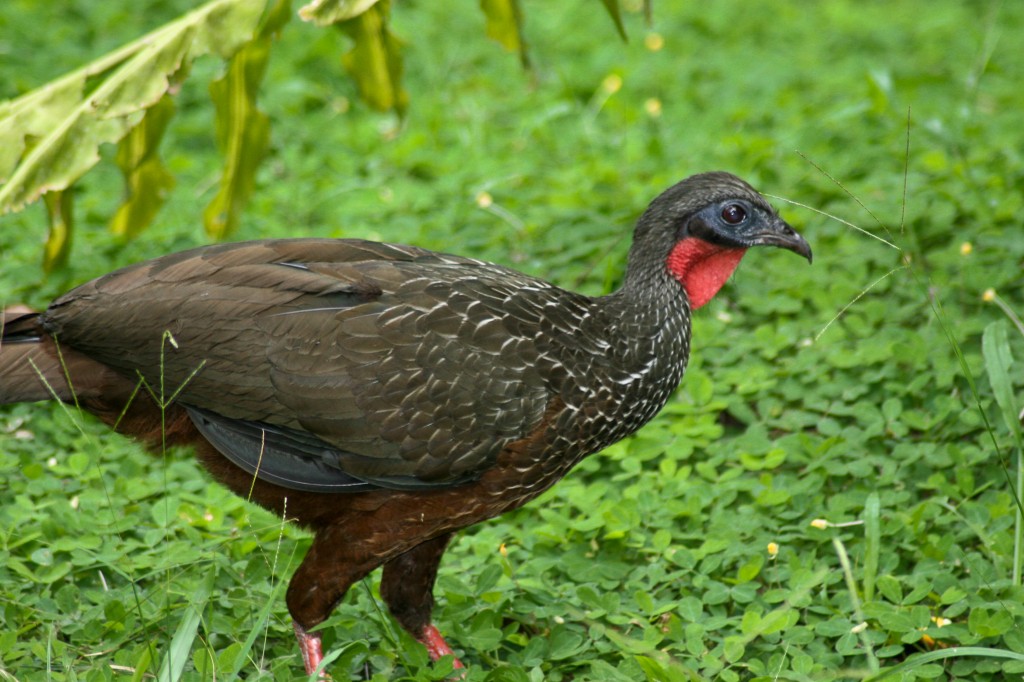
(650,314)
(648,332)
(643,354)
(702,267)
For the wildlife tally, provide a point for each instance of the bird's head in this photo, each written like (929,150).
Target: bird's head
(699,229)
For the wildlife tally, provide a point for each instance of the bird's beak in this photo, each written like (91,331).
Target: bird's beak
(780,234)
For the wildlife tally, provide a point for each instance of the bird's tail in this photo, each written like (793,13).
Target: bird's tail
(34,367)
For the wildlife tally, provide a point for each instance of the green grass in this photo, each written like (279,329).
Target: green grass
(650,561)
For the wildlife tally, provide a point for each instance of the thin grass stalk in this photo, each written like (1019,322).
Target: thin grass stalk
(1018,522)
(872,544)
(858,614)
(258,627)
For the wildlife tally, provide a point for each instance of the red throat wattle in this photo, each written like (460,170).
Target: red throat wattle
(702,267)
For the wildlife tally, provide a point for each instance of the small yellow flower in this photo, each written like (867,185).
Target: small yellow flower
(612,83)
(989,295)
(859,628)
(484,200)
(503,550)
(653,107)
(820,524)
(654,42)
(930,641)
(773,549)
(966,248)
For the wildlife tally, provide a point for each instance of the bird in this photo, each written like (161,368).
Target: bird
(385,396)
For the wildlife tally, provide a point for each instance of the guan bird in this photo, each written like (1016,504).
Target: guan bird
(385,396)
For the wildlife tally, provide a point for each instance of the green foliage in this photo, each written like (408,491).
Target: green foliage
(60,214)
(505,26)
(51,136)
(69,119)
(650,561)
(243,131)
(147,180)
(327,12)
(612,7)
(375,61)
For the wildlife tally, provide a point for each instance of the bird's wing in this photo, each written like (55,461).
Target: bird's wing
(329,364)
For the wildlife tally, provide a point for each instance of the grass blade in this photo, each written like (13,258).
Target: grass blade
(955,652)
(995,347)
(181,644)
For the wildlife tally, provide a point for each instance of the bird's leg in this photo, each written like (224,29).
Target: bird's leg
(407,586)
(431,638)
(310,647)
(322,579)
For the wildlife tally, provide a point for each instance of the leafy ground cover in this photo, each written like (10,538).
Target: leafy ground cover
(821,499)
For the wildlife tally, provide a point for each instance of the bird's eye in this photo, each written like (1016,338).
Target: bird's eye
(734,214)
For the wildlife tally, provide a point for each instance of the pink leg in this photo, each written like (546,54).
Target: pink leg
(436,646)
(311,649)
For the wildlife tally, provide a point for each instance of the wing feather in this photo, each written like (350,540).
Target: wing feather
(336,364)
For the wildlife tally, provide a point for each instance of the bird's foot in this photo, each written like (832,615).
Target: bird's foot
(436,646)
(312,650)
